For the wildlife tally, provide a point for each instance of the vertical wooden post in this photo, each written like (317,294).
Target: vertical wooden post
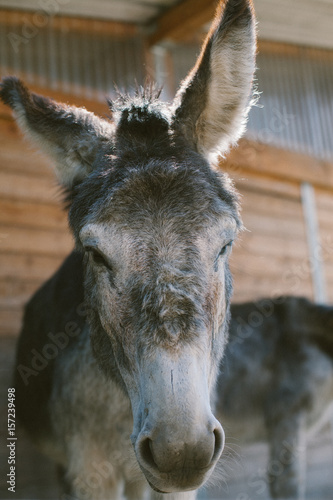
(313,238)
(160,54)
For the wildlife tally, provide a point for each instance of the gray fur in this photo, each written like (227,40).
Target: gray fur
(276,381)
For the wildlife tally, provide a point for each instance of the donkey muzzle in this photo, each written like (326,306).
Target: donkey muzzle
(179,440)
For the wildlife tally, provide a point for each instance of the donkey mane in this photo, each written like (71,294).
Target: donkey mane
(148,93)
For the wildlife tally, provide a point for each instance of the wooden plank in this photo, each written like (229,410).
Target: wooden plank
(258,183)
(257,286)
(254,266)
(257,244)
(28,188)
(252,290)
(18,213)
(264,203)
(242,294)
(28,267)
(329,274)
(35,241)
(10,321)
(285,213)
(15,293)
(9,129)
(324,204)
(182,21)
(284,165)
(19,156)
(326,245)
(324,200)
(75,25)
(291,271)
(270,47)
(277,226)
(278,285)
(17,153)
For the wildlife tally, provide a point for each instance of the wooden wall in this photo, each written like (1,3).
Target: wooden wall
(268,253)
(325,217)
(33,228)
(270,258)
(34,237)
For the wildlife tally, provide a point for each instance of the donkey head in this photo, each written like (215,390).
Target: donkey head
(156,224)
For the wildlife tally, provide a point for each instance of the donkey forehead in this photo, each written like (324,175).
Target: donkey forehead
(172,183)
(157,236)
(160,204)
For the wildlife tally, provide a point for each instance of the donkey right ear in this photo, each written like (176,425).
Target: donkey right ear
(72,136)
(212,104)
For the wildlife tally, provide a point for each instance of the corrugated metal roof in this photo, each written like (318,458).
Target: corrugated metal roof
(295,109)
(87,64)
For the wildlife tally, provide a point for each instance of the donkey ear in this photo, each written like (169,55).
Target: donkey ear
(72,136)
(214,100)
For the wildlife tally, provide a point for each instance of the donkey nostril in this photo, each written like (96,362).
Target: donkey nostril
(146,452)
(200,452)
(219,442)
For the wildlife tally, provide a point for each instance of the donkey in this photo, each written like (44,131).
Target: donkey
(124,398)
(276,383)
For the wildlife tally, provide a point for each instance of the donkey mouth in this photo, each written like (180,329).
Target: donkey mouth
(155,489)
(178,481)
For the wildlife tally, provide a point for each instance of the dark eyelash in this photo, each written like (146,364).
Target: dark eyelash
(225,248)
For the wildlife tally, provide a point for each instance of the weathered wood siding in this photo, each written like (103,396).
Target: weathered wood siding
(33,228)
(325,219)
(272,256)
(268,254)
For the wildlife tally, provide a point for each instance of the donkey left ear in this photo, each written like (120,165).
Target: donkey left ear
(214,100)
(72,136)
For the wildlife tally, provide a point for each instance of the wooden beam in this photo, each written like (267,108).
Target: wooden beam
(182,21)
(137,12)
(288,50)
(38,20)
(279,164)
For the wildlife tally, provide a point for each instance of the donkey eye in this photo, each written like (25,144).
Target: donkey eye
(98,258)
(225,248)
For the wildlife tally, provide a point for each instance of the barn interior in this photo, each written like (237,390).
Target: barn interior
(79,52)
